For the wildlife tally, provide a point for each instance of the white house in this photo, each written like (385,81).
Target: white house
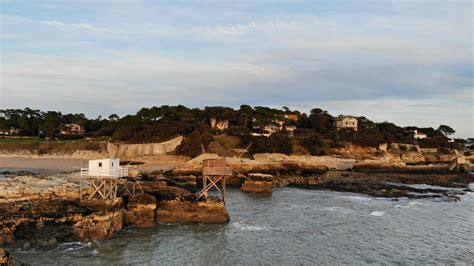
(346,121)
(419,135)
(104,168)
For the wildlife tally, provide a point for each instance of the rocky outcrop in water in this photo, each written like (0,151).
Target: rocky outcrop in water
(258,183)
(99,226)
(383,184)
(141,211)
(211,210)
(45,211)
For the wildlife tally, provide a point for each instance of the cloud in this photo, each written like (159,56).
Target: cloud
(374,60)
(74,26)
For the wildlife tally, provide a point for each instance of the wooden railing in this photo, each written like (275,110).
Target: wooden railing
(116,173)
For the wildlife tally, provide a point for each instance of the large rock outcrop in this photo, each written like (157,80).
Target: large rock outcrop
(45,211)
(258,183)
(99,226)
(270,164)
(141,211)
(209,211)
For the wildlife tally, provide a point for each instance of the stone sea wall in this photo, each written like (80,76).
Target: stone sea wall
(121,150)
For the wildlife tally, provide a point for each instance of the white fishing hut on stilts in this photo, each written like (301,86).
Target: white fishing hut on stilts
(102,178)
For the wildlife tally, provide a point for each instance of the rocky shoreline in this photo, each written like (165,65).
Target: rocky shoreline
(42,211)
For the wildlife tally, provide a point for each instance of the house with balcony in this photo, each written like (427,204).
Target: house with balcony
(346,121)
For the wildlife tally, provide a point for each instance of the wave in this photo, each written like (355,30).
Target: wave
(377,213)
(73,246)
(410,204)
(357,198)
(247,227)
(337,209)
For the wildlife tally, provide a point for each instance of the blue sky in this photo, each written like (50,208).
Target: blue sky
(408,62)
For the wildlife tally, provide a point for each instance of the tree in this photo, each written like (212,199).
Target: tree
(113,117)
(245,111)
(316,111)
(446,130)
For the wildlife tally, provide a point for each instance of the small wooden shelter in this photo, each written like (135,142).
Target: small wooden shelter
(102,179)
(214,171)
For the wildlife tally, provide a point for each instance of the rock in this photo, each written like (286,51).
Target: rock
(258,183)
(210,211)
(97,227)
(4,257)
(134,174)
(42,233)
(98,205)
(187,182)
(6,234)
(141,211)
(270,163)
(400,167)
(27,245)
(162,191)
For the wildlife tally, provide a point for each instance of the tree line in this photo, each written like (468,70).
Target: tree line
(314,130)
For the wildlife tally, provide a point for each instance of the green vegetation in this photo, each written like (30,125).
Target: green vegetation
(315,132)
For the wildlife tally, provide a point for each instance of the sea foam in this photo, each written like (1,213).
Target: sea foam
(247,227)
(377,213)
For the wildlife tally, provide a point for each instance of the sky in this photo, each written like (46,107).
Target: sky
(407,62)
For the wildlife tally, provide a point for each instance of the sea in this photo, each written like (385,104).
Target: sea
(292,226)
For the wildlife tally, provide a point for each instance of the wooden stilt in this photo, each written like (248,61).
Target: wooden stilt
(214,172)
(223,189)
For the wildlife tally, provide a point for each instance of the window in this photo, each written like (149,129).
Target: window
(100,164)
(112,163)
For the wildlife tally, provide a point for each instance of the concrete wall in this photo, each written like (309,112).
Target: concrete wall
(131,150)
(407,147)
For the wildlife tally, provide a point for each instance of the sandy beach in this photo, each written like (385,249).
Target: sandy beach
(59,165)
(40,165)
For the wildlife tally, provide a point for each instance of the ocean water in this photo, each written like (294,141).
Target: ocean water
(293,226)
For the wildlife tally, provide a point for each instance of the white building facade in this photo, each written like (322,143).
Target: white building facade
(105,168)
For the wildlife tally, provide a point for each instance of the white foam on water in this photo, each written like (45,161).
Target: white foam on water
(247,227)
(415,203)
(73,246)
(357,198)
(377,213)
(295,206)
(337,209)
(410,204)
